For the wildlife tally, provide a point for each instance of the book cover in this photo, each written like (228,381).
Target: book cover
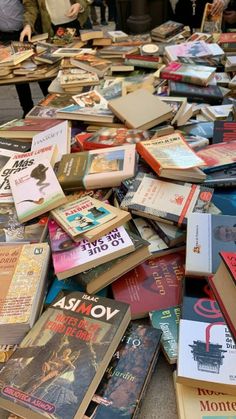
(77,77)
(26,128)
(140,109)
(84,214)
(207,235)
(160,200)
(223,284)
(154,285)
(22,268)
(188,50)
(225,200)
(171,234)
(167,29)
(211,23)
(12,231)
(205,357)
(96,168)
(224,131)
(168,321)
(70,258)
(145,229)
(217,156)
(42,112)
(91,62)
(21,161)
(113,137)
(14,146)
(210,94)
(55,100)
(127,376)
(199,403)
(169,152)
(36,190)
(223,178)
(58,135)
(76,337)
(194,74)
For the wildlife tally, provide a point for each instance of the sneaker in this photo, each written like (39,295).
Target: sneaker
(104,23)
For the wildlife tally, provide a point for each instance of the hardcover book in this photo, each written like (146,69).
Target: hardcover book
(75,337)
(35,191)
(207,235)
(168,321)
(97,168)
(140,109)
(127,376)
(199,403)
(210,94)
(59,135)
(89,218)
(194,74)
(70,258)
(154,285)
(165,201)
(22,161)
(170,156)
(223,284)
(23,270)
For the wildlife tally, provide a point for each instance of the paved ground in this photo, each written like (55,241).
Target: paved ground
(159,401)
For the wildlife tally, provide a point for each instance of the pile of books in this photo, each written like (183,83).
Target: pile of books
(128,182)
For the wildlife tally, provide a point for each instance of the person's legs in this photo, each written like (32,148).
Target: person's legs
(94,15)
(44,85)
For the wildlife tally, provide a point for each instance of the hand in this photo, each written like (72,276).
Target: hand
(74,10)
(217,7)
(230,16)
(26,33)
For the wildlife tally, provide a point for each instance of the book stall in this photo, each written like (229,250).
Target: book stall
(118,225)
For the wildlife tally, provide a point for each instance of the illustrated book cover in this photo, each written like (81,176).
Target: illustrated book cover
(165,201)
(154,285)
(207,236)
(218,156)
(128,374)
(89,218)
(70,258)
(195,74)
(23,270)
(75,337)
(97,168)
(170,156)
(36,191)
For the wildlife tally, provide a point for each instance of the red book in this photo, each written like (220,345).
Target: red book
(223,284)
(217,156)
(26,128)
(229,37)
(154,285)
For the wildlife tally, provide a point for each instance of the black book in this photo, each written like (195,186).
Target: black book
(224,178)
(224,131)
(209,94)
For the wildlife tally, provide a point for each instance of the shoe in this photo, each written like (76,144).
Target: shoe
(96,23)
(104,23)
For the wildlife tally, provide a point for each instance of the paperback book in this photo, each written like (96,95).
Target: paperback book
(113,137)
(70,258)
(210,94)
(194,74)
(165,201)
(36,191)
(75,337)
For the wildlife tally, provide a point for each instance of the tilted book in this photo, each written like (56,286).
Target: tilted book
(113,137)
(207,235)
(223,284)
(97,168)
(209,94)
(199,403)
(36,190)
(23,271)
(154,285)
(140,109)
(127,376)
(168,321)
(170,156)
(26,128)
(74,338)
(194,74)
(218,156)
(167,29)
(89,218)
(165,201)
(20,162)
(70,258)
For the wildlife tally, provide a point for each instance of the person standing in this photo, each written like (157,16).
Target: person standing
(11,23)
(49,15)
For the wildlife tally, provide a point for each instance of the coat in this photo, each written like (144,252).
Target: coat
(36,9)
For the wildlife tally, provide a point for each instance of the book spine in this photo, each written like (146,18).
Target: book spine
(148,158)
(141,63)
(172,76)
(220,183)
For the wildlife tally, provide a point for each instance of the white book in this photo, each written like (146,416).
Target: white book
(58,135)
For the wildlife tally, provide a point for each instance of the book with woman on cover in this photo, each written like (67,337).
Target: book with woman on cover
(61,361)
